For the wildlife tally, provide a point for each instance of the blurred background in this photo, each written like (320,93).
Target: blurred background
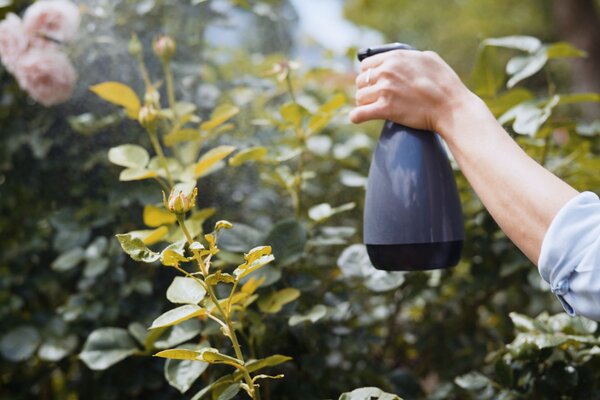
(488,328)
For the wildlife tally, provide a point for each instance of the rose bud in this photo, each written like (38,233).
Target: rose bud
(164,47)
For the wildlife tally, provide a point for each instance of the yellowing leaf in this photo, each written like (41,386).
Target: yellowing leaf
(274,302)
(257,153)
(178,354)
(155,236)
(333,104)
(181,135)
(171,258)
(318,122)
(252,284)
(210,158)
(119,94)
(156,216)
(293,113)
(219,116)
(213,356)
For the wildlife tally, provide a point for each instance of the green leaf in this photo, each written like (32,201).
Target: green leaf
(293,114)
(508,100)
(315,314)
(184,290)
(529,116)
(136,249)
(177,315)
(271,361)
(529,44)
(274,302)
(323,211)
(150,236)
(179,333)
(488,74)
(240,238)
(246,269)
(129,155)
(287,238)
(181,374)
(136,174)
(257,153)
(68,259)
(473,381)
(119,94)
(564,50)
(579,98)
(224,380)
(157,216)
(503,373)
(55,349)
(368,393)
(213,356)
(523,67)
(179,354)
(219,116)
(229,392)
(333,104)
(355,263)
(181,135)
(19,343)
(106,347)
(207,162)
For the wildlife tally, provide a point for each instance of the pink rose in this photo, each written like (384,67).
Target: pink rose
(55,19)
(13,41)
(47,75)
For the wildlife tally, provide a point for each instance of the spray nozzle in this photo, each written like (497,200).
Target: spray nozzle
(370,51)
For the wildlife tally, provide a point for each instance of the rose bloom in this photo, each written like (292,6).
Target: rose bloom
(47,75)
(56,19)
(13,41)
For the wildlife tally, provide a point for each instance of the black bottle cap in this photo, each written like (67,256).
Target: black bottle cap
(369,51)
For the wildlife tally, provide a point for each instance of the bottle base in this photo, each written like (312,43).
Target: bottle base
(415,256)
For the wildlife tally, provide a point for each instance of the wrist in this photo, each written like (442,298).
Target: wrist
(460,115)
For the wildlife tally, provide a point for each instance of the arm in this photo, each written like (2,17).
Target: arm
(420,90)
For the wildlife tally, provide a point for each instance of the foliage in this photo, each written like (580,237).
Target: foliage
(294,184)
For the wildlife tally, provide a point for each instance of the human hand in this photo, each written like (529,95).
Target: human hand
(413,88)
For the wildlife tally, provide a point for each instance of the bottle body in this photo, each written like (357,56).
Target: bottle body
(413,217)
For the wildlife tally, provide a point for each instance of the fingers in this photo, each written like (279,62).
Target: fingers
(369,112)
(366,78)
(367,95)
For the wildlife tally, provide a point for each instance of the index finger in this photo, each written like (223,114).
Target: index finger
(377,59)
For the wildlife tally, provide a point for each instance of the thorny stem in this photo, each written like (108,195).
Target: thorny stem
(161,155)
(226,316)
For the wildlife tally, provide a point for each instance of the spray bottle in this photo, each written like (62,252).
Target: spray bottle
(413,218)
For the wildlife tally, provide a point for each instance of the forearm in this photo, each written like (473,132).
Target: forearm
(522,196)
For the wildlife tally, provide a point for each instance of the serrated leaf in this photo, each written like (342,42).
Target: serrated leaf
(184,290)
(129,155)
(106,347)
(177,315)
(257,153)
(119,94)
(210,158)
(157,216)
(136,249)
(219,116)
(274,302)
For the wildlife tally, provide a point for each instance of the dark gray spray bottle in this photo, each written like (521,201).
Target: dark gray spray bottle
(413,218)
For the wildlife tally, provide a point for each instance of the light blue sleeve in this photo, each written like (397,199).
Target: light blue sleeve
(570,256)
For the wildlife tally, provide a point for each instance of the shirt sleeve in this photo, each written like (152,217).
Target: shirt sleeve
(570,256)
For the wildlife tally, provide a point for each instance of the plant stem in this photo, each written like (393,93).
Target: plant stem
(170,87)
(160,154)
(226,316)
(288,81)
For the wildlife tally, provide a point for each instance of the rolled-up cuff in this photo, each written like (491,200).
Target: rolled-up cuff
(570,256)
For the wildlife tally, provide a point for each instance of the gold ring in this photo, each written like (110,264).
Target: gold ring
(368,78)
